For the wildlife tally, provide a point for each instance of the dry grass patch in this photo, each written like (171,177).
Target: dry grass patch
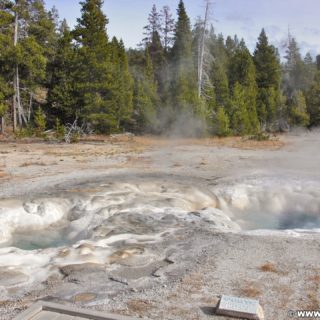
(31,164)
(139,306)
(193,283)
(313,289)
(203,163)
(250,290)
(177,165)
(269,267)
(232,142)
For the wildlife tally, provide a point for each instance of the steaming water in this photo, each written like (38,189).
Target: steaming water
(150,208)
(41,239)
(89,226)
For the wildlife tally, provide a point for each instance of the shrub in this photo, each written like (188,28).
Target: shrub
(40,123)
(222,123)
(59,130)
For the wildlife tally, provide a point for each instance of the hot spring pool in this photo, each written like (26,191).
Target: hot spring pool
(152,208)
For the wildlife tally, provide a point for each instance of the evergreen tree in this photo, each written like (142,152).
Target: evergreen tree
(309,72)
(298,110)
(313,101)
(240,121)
(268,80)
(219,69)
(93,79)
(167,28)
(231,46)
(293,69)
(267,63)
(155,49)
(184,86)
(145,98)
(242,71)
(221,123)
(62,102)
(122,86)
(153,28)
(6,62)
(29,56)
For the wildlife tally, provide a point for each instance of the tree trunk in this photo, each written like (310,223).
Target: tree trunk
(15,78)
(19,105)
(2,125)
(201,50)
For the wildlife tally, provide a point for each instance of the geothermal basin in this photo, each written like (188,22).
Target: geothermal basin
(173,235)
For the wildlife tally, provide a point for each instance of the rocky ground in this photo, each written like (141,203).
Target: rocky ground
(183,275)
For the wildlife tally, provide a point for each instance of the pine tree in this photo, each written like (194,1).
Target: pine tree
(298,110)
(293,68)
(242,71)
(122,86)
(309,72)
(267,63)
(231,46)
(184,86)
(6,62)
(268,80)
(153,28)
(145,98)
(221,123)
(29,56)
(167,28)
(153,43)
(313,101)
(240,121)
(219,69)
(62,102)
(93,79)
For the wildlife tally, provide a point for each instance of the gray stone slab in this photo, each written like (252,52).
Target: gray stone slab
(242,308)
(52,311)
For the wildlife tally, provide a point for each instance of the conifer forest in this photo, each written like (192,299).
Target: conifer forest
(182,78)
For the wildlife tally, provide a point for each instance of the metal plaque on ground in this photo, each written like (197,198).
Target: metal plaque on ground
(240,308)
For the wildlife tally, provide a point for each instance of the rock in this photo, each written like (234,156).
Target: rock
(12,277)
(241,308)
(119,280)
(85,268)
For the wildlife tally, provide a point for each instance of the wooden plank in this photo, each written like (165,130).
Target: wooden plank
(67,312)
(65,317)
(31,312)
(45,315)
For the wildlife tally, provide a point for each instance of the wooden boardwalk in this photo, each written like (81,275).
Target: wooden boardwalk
(52,311)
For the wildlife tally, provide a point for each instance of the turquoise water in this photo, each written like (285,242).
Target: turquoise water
(43,239)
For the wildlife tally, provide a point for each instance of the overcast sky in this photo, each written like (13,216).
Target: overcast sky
(242,17)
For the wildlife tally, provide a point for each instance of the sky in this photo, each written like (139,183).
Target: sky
(245,18)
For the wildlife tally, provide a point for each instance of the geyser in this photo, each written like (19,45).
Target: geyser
(272,203)
(152,208)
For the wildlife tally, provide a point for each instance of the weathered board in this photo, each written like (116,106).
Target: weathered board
(52,311)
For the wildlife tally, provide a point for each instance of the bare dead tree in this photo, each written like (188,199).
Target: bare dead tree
(15,78)
(17,108)
(203,54)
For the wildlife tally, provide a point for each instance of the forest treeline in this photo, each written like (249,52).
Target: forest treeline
(182,78)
